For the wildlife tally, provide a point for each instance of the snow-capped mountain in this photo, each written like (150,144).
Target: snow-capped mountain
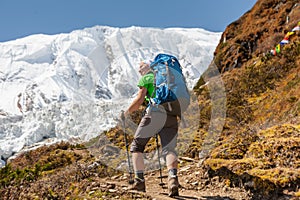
(72,86)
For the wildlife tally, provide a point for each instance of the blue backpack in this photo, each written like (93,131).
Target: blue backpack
(170,85)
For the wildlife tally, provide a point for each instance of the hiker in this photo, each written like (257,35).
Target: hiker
(154,121)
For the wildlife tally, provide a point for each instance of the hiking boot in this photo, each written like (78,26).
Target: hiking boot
(138,185)
(173,186)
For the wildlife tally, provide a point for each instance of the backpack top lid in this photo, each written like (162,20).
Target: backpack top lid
(168,79)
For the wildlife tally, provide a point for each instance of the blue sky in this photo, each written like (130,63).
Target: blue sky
(19,18)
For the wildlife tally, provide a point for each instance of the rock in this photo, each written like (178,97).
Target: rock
(112,190)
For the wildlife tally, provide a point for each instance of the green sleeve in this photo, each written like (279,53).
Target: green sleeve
(147,82)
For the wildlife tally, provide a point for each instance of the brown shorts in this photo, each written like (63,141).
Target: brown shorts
(157,122)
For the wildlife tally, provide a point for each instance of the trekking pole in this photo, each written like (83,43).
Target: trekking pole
(160,173)
(127,145)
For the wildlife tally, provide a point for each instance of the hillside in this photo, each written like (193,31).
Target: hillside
(246,145)
(259,145)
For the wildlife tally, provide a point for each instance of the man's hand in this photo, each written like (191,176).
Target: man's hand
(124,114)
(139,99)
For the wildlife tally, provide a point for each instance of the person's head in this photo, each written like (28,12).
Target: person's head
(144,67)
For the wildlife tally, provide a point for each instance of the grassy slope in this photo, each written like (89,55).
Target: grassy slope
(261,133)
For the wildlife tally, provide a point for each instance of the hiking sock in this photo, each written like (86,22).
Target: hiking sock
(139,175)
(173,172)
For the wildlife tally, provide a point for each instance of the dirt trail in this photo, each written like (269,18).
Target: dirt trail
(194,184)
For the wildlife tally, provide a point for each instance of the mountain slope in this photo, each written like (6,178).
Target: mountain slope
(259,145)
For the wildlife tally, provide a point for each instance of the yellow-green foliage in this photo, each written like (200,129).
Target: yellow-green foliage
(238,166)
(60,171)
(48,159)
(273,157)
(235,146)
(8,175)
(297,194)
(279,176)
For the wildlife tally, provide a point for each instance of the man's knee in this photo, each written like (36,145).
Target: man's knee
(138,145)
(167,151)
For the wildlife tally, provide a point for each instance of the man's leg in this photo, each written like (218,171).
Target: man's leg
(172,166)
(138,167)
(172,163)
(168,137)
(138,164)
(148,126)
